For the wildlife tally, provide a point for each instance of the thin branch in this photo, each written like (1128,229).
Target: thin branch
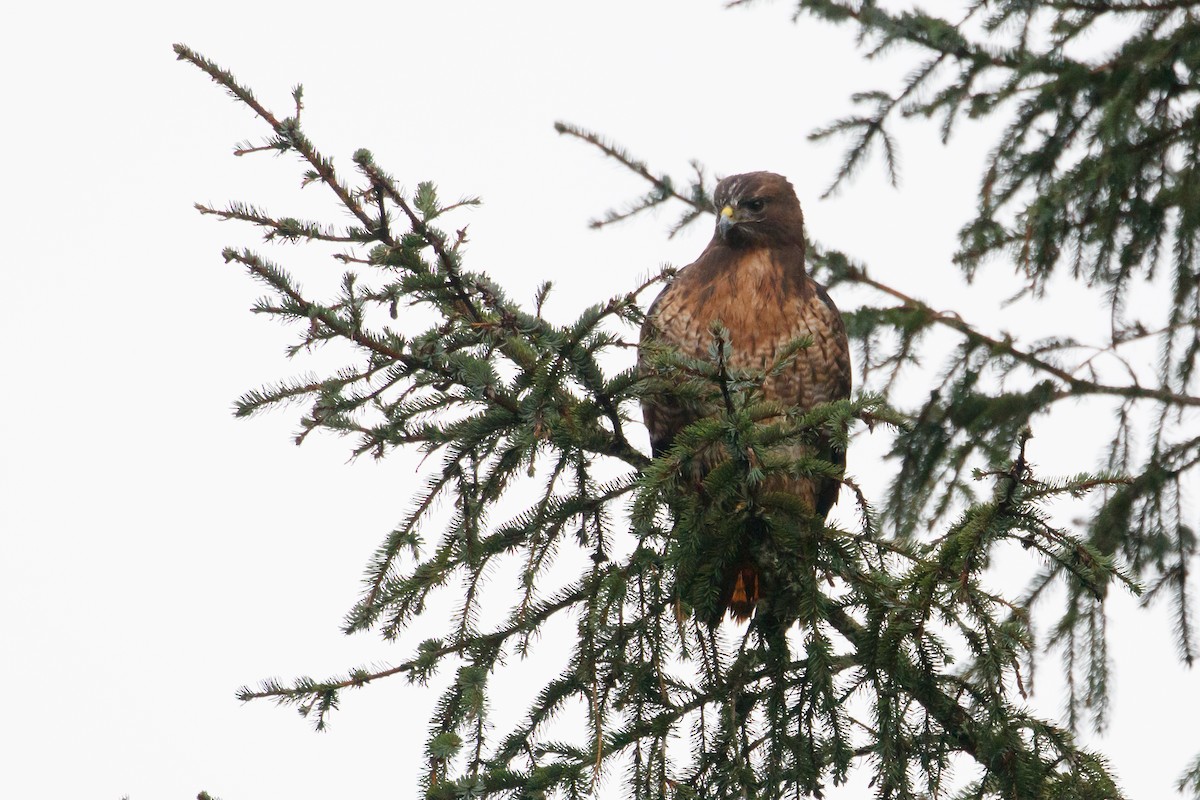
(1075,385)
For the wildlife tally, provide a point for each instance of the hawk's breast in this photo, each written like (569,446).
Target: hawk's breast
(765,306)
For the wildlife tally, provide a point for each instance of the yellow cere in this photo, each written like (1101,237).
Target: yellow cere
(727,212)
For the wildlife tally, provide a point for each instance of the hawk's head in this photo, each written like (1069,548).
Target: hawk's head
(758,209)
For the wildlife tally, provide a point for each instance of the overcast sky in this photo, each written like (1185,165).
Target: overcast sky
(157,553)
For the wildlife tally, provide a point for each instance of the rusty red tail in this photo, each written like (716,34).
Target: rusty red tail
(742,595)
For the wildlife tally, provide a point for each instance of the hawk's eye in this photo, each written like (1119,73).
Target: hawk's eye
(753,206)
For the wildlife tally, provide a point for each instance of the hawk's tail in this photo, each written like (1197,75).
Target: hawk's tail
(742,591)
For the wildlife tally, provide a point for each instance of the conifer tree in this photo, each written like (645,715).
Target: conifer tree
(893,655)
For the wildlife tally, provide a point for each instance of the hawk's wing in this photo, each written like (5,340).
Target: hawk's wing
(838,382)
(664,414)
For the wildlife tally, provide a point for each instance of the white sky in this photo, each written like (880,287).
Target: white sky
(157,553)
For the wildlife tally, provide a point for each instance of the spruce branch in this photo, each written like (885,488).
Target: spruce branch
(286,130)
(285,228)
(1074,385)
(501,396)
(663,186)
(969,419)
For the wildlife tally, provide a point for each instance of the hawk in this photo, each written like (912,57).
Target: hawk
(751,277)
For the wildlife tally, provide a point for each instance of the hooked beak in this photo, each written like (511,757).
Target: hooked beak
(725,222)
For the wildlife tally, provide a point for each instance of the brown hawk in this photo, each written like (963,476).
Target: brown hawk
(752,279)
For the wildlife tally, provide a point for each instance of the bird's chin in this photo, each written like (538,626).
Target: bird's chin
(734,235)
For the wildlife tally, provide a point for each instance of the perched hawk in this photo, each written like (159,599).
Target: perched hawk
(751,278)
